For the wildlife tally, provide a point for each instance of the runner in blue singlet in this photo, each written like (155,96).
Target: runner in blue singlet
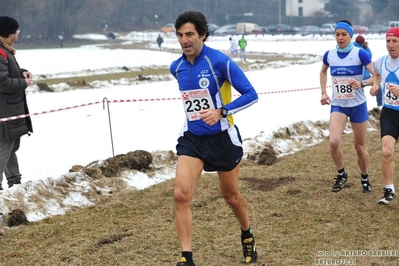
(209,140)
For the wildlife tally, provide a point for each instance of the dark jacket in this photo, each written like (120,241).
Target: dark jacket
(366,73)
(159,40)
(13,98)
(111,35)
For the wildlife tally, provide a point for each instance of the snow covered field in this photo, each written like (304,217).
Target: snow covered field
(141,118)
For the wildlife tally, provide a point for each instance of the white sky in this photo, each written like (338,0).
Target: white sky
(287,94)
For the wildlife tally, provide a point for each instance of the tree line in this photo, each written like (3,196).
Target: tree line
(45,20)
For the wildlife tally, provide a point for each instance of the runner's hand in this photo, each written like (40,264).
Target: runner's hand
(210,116)
(325,99)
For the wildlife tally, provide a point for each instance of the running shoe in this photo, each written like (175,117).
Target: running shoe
(183,262)
(388,197)
(366,187)
(341,179)
(250,254)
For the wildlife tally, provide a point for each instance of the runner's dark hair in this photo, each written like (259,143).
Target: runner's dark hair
(195,17)
(346,21)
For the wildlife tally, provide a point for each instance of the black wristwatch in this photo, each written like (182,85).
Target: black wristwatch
(364,83)
(224,112)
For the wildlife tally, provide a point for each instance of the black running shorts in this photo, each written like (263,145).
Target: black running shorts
(217,151)
(389,122)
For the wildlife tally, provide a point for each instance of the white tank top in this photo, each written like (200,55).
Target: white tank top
(342,70)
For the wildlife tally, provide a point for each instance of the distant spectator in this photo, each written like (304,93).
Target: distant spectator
(61,37)
(156,17)
(159,41)
(233,47)
(243,44)
(104,26)
(111,37)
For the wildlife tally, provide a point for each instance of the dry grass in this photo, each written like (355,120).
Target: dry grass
(292,209)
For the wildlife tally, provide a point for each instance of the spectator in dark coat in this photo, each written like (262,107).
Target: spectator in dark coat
(159,41)
(111,37)
(13,82)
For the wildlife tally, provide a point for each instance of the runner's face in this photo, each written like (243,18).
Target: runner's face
(392,43)
(190,41)
(342,37)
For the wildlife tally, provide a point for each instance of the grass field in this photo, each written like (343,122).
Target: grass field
(296,218)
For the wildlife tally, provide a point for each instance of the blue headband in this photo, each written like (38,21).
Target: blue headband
(345,26)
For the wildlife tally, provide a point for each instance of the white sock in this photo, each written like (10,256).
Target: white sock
(390,187)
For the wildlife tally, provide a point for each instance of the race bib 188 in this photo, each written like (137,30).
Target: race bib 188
(343,90)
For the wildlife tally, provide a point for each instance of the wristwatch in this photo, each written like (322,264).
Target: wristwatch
(224,112)
(364,83)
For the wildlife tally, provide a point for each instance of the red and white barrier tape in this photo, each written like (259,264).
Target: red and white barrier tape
(294,90)
(133,100)
(44,112)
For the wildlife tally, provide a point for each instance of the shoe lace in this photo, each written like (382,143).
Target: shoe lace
(387,192)
(338,180)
